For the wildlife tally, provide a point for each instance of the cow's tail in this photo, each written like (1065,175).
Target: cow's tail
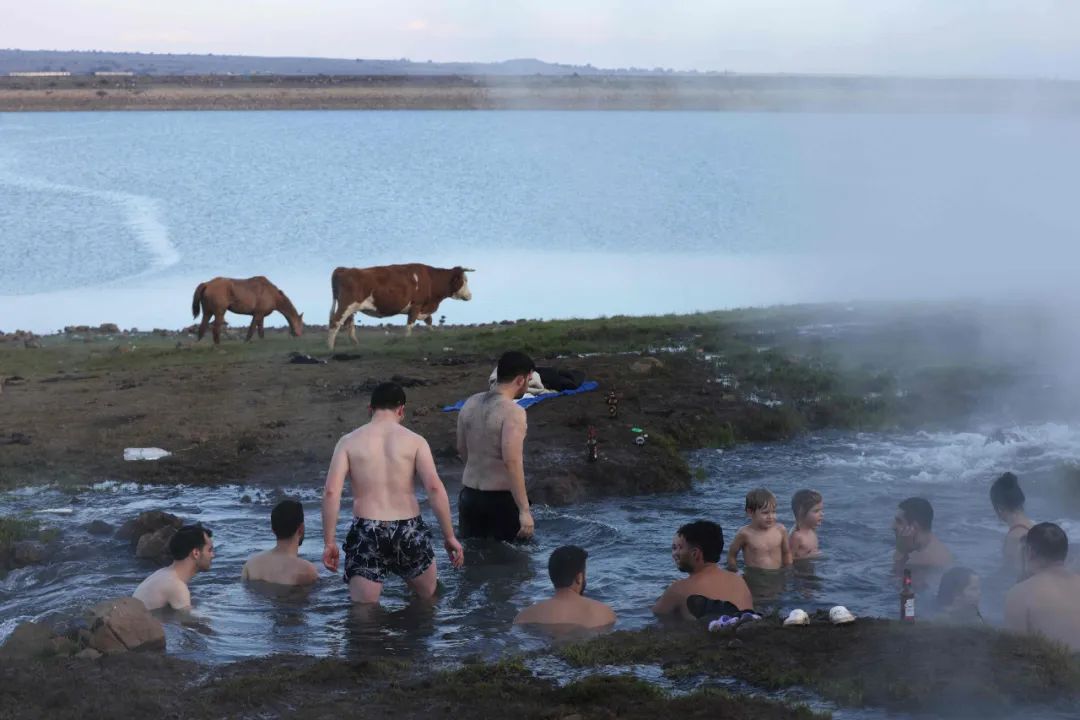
(197,300)
(334,299)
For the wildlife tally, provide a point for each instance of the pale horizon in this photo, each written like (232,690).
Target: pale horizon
(909,38)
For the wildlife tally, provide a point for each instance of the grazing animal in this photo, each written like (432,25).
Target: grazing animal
(254,296)
(414,290)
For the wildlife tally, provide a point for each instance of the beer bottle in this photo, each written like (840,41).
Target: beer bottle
(907,599)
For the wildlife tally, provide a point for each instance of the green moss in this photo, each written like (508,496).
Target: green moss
(13,529)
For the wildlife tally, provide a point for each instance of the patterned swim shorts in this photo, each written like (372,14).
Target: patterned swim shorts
(375,548)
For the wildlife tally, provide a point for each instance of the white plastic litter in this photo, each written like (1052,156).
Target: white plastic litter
(145,453)
(58,511)
(797,617)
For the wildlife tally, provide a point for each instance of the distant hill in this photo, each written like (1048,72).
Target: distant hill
(79,62)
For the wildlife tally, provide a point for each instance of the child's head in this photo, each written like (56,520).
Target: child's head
(761,508)
(959,587)
(808,507)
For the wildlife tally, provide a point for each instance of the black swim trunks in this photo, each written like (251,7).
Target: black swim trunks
(487,514)
(374,548)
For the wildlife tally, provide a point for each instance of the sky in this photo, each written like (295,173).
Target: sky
(1025,38)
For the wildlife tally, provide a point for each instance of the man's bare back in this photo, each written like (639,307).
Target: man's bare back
(711,582)
(382,464)
(279,568)
(1046,604)
(163,588)
(567,609)
(482,425)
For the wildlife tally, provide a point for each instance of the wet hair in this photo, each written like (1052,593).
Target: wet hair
(513,364)
(802,502)
(188,538)
(286,518)
(918,511)
(759,498)
(387,396)
(706,536)
(1048,542)
(565,564)
(1005,493)
(953,584)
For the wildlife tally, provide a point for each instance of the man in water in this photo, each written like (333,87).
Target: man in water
(696,549)
(388,535)
(490,439)
(282,564)
(1046,602)
(192,550)
(569,606)
(917,548)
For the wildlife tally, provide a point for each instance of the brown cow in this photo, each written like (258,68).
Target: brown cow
(414,290)
(254,296)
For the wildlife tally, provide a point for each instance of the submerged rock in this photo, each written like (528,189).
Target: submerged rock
(35,640)
(155,545)
(147,522)
(124,624)
(27,552)
(99,527)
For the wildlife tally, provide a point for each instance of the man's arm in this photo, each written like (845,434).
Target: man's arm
(742,598)
(733,551)
(513,449)
(462,446)
(179,597)
(331,504)
(439,501)
(669,602)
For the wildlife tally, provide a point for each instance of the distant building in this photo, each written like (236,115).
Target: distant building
(40,73)
(113,73)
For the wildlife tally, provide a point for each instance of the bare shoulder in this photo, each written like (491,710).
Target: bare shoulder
(781,528)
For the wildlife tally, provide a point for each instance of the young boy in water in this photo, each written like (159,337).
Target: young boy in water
(809,510)
(763,541)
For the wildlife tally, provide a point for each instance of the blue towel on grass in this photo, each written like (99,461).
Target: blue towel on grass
(587,386)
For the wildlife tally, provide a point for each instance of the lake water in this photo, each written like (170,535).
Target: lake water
(115,217)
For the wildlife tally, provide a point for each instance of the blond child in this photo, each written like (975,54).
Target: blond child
(809,510)
(763,541)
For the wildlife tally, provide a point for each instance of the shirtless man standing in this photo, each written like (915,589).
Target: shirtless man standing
(490,439)
(192,550)
(388,535)
(1046,602)
(696,549)
(569,607)
(282,564)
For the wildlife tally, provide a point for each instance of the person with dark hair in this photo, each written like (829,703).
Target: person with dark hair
(282,564)
(917,548)
(569,607)
(696,549)
(388,535)
(958,597)
(808,507)
(192,551)
(491,431)
(1008,501)
(1046,602)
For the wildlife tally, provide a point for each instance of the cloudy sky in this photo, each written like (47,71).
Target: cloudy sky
(923,37)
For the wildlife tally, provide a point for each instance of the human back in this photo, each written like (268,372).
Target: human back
(1045,603)
(483,420)
(382,463)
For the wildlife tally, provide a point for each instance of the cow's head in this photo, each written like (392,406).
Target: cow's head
(459,284)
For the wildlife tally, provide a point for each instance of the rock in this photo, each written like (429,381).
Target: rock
(646,365)
(88,654)
(124,624)
(99,527)
(29,640)
(155,545)
(27,552)
(147,522)
(31,344)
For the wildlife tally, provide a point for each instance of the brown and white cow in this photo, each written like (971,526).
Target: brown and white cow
(414,290)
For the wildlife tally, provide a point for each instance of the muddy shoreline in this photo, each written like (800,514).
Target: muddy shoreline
(477,92)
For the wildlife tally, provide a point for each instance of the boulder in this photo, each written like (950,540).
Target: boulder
(99,527)
(88,654)
(147,522)
(155,545)
(27,552)
(124,624)
(29,640)
(646,365)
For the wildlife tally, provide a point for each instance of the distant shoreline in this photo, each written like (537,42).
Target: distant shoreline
(463,92)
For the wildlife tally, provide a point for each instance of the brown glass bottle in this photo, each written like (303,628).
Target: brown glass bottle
(907,600)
